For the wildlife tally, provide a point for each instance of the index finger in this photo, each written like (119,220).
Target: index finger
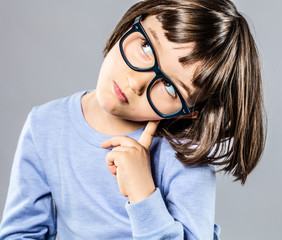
(146,137)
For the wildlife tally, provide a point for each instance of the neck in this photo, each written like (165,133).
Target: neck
(103,122)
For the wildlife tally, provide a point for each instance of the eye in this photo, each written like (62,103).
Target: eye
(169,88)
(146,47)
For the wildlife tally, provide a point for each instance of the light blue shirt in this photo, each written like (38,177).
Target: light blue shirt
(60,184)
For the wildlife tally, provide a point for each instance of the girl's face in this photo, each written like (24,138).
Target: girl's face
(115,76)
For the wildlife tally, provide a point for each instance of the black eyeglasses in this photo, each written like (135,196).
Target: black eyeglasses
(139,54)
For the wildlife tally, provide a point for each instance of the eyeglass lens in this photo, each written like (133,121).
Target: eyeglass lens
(140,55)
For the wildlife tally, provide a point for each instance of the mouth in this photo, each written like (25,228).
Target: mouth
(119,94)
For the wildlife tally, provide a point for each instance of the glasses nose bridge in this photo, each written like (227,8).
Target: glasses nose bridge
(140,80)
(142,83)
(158,71)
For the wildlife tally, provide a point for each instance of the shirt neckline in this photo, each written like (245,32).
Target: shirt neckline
(84,129)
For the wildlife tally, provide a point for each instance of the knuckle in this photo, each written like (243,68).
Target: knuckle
(127,155)
(133,149)
(138,147)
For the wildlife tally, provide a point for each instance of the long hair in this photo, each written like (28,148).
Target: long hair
(230,128)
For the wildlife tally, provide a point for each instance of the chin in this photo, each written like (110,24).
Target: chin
(109,106)
(107,102)
(136,118)
(125,115)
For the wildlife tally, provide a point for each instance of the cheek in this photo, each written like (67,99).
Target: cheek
(139,111)
(112,69)
(114,63)
(107,101)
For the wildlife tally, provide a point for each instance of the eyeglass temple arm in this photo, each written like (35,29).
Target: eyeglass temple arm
(137,19)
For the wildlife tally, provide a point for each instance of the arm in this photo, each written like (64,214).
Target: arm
(184,209)
(29,211)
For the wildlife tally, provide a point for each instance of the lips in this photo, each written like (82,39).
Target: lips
(119,94)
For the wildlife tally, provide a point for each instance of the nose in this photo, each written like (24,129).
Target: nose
(139,81)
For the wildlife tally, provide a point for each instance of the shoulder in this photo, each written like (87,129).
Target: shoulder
(47,121)
(52,113)
(174,169)
(50,110)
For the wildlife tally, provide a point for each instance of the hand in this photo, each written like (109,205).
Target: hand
(129,161)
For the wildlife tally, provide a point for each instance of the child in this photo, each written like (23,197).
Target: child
(179,92)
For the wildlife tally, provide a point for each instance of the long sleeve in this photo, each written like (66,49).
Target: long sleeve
(59,159)
(182,207)
(29,211)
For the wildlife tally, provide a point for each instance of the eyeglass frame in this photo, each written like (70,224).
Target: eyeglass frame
(137,27)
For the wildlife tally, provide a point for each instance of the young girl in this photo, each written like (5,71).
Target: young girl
(179,92)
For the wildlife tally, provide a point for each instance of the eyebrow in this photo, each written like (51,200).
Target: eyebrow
(153,33)
(155,36)
(187,89)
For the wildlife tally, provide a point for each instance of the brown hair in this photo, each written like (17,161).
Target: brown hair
(230,129)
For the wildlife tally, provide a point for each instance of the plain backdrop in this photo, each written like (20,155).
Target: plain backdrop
(52,49)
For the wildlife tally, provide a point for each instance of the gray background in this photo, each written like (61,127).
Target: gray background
(52,49)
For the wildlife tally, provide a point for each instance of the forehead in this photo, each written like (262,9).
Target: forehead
(151,22)
(168,53)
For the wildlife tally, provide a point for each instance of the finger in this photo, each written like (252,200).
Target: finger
(112,162)
(122,149)
(148,134)
(119,141)
(113,157)
(113,169)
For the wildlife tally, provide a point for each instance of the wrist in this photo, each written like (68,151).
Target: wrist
(139,196)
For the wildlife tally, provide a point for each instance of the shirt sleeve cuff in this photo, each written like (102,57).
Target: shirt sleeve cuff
(149,216)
